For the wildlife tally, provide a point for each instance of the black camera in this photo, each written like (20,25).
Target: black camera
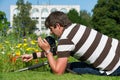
(52,44)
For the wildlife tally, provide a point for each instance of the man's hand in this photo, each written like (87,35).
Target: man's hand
(27,57)
(43,44)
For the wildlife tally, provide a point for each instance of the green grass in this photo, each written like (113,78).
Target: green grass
(36,75)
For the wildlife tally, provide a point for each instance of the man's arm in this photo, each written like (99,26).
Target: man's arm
(28,57)
(51,41)
(58,66)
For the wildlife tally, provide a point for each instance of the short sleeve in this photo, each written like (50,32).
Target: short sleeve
(64,48)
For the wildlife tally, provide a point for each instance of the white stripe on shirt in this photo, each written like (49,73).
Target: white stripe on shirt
(109,58)
(79,34)
(88,43)
(99,49)
(67,31)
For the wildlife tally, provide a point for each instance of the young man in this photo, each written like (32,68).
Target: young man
(99,53)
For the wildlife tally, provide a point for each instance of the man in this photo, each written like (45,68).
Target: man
(99,53)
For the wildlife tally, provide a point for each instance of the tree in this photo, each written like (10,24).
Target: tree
(83,17)
(3,23)
(22,22)
(74,16)
(106,17)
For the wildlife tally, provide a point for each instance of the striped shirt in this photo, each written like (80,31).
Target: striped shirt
(88,45)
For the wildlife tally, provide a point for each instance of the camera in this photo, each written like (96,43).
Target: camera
(52,44)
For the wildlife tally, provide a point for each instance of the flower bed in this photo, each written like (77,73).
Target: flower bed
(11,49)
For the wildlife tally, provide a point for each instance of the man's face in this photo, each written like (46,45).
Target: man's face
(56,30)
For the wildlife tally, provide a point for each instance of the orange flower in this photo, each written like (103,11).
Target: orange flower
(13,59)
(36,61)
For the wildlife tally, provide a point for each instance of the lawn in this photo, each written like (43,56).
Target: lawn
(36,75)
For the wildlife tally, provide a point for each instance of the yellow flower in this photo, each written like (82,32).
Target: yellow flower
(24,45)
(19,45)
(33,42)
(17,53)
(36,50)
(28,49)
(9,54)
(1,46)
(25,40)
(6,42)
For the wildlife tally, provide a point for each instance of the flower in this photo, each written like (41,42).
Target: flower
(1,46)
(36,50)
(33,42)
(3,52)
(24,45)
(17,53)
(29,49)
(13,59)
(19,45)
(7,42)
(25,40)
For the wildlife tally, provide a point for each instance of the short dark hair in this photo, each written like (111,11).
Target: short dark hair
(57,17)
